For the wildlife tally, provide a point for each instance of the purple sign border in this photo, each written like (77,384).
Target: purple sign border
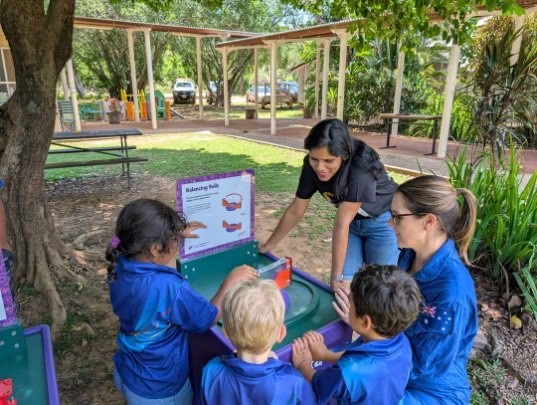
(5,291)
(214,249)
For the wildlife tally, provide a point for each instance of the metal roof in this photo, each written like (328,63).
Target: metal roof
(305,34)
(325,30)
(98,23)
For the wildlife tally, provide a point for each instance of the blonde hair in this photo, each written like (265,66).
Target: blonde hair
(253,313)
(431,194)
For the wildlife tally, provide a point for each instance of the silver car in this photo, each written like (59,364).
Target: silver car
(263,94)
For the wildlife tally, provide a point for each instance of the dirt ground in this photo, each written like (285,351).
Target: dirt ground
(85,212)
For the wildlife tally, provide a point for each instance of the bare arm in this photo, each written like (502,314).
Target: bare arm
(340,235)
(294,213)
(301,358)
(240,273)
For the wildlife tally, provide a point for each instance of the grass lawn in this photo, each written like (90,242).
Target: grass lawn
(185,155)
(236,111)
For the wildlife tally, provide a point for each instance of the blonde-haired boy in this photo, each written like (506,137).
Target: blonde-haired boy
(253,314)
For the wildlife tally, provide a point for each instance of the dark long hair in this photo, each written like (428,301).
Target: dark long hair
(141,224)
(333,134)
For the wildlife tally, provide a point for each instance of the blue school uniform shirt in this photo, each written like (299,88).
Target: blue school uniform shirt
(442,336)
(156,308)
(374,372)
(229,380)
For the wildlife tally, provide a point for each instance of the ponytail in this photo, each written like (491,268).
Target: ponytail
(435,195)
(111,254)
(464,228)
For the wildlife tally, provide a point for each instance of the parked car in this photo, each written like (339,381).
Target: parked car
(292,87)
(184,91)
(210,94)
(263,94)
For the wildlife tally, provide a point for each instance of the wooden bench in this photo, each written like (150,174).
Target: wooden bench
(61,165)
(102,149)
(119,154)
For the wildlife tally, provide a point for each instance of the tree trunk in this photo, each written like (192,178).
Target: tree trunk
(41,43)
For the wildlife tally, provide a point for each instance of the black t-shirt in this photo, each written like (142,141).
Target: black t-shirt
(374,194)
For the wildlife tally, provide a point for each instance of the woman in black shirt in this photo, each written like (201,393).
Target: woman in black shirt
(349,174)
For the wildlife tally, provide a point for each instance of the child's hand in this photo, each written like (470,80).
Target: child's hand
(342,305)
(192,226)
(316,345)
(301,354)
(240,273)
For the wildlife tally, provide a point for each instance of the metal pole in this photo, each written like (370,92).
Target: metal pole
(326,63)
(449,94)
(74,101)
(149,62)
(226,90)
(200,79)
(343,38)
(398,88)
(134,81)
(317,74)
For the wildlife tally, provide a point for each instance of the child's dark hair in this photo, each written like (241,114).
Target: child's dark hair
(388,295)
(334,134)
(141,224)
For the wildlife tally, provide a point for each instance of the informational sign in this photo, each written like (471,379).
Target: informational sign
(224,203)
(7,306)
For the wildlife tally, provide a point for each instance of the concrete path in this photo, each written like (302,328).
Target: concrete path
(408,155)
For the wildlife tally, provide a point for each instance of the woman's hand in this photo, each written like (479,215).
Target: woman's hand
(342,304)
(265,248)
(190,227)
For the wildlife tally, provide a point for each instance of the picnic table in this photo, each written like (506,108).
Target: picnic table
(389,117)
(118,154)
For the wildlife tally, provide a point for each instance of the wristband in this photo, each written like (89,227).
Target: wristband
(336,277)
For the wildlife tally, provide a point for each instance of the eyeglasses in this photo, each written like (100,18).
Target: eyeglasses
(396,218)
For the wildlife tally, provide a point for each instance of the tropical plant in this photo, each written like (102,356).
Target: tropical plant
(505,241)
(501,87)
(462,126)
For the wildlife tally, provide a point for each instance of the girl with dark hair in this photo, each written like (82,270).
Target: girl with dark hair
(349,174)
(155,304)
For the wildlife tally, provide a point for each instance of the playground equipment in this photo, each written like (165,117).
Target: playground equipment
(27,374)
(163,107)
(225,203)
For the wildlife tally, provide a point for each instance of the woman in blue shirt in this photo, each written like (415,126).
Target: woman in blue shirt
(434,224)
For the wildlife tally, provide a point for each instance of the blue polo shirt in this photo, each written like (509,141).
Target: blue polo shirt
(230,380)
(156,309)
(371,373)
(442,336)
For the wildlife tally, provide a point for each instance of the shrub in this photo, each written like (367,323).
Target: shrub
(506,234)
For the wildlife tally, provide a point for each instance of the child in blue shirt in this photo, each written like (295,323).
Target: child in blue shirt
(253,314)
(375,368)
(156,306)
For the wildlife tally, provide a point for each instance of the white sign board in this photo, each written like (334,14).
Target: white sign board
(224,203)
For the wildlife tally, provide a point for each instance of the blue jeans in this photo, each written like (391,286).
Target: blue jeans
(371,241)
(183,397)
